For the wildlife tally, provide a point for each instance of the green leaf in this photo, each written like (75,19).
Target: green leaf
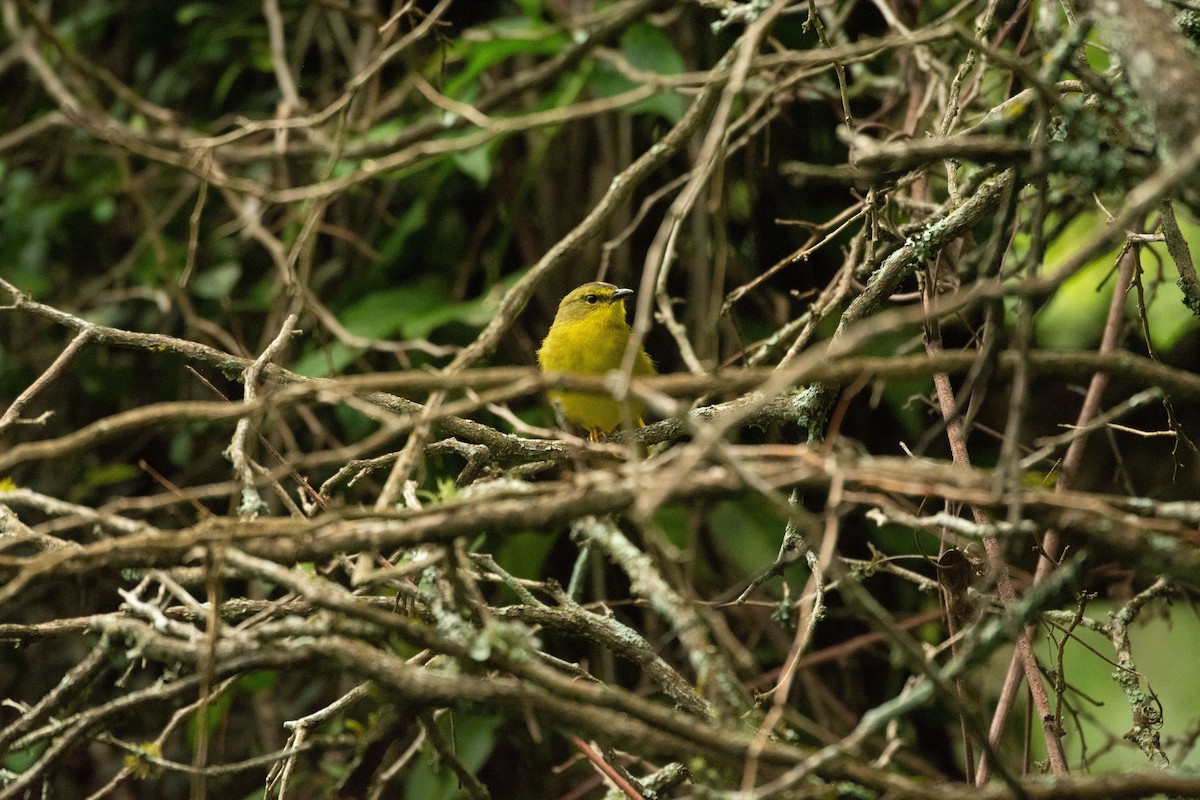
(261,57)
(187,14)
(110,474)
(413,220)
(747,531)
(531,8)
(103,209)
(474,738)
(225,83)
(648,49)
(413,311)
(523,555)
(179,451)
(511,36)
(476,163)
(17,761)
(254,682)
(1074,317)
(381,314)
(217,282)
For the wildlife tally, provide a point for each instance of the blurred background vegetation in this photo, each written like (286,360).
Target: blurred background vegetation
(120,226)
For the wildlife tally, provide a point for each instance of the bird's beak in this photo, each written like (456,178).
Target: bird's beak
(621,294)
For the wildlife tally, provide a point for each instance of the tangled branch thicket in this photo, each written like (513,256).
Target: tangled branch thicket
(283,510)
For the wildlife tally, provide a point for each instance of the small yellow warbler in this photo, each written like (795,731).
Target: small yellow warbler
(589,335)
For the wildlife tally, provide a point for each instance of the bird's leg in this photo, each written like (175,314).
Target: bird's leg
(594,435)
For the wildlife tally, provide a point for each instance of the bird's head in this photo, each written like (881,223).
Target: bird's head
(594,300)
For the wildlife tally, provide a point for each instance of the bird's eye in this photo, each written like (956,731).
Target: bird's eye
(591,299)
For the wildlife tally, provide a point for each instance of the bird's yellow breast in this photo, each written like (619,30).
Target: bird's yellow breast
(591,339)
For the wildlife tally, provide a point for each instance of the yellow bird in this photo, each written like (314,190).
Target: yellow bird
(589,336)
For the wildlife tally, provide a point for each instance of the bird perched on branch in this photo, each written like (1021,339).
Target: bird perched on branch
(589,336)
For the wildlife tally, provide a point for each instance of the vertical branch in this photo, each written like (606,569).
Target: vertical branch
(811,612)
(1177,246)
(661,252)
(251,503)
(279,59)
(1049,550)
(996,563)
